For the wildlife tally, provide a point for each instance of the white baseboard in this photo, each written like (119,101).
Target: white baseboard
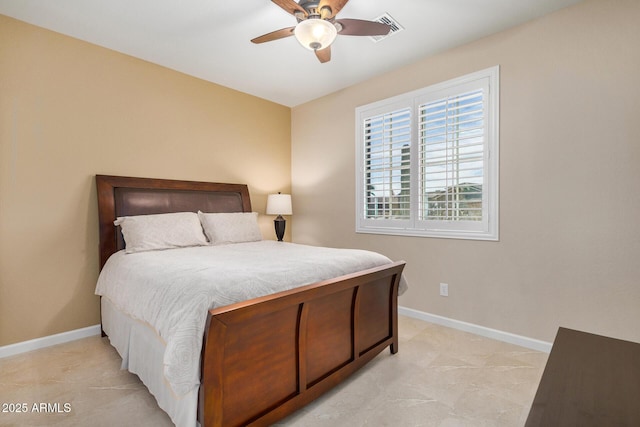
(478,330)
(38,343)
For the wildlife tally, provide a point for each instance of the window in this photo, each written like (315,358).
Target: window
(427,161)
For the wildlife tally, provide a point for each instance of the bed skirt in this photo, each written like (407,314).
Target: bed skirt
(142,352)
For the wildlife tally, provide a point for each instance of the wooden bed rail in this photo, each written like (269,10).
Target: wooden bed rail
(267,357)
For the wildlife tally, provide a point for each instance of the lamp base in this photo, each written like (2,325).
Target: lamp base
(279,224)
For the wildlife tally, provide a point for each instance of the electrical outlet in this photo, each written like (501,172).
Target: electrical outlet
(444,289)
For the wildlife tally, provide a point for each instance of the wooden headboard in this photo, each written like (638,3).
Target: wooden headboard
(122,196)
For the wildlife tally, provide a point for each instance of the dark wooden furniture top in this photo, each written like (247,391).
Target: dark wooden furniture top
(589,380)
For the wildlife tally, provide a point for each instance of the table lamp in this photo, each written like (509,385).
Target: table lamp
(279,204)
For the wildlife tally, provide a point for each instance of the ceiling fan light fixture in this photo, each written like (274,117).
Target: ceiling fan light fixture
(315,33)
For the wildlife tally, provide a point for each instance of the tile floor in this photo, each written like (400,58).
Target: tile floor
(440,377)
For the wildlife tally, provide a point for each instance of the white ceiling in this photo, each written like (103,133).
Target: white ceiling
(210,39)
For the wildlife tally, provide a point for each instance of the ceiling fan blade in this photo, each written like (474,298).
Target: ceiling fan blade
(324,55)
(335,6)
(274,35)
(290,6)
(359,27)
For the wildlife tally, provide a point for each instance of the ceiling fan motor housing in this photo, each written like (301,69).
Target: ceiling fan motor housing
(311,6)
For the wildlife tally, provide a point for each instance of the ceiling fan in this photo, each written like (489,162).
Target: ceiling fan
(318,27)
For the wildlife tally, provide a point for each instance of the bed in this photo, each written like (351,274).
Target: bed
(260,359)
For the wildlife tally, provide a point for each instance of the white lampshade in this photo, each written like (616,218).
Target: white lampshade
(315,33)
(279,204)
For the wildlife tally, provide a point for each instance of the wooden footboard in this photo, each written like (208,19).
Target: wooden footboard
(265,358)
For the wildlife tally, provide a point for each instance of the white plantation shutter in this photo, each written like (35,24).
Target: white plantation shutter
(427,161)
(387,140)
(452,140)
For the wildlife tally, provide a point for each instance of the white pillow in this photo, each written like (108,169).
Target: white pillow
(161,231)
(236,227)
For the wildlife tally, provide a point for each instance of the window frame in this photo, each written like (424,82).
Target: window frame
(488,227)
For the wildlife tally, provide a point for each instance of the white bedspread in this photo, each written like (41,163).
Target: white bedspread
(172,290)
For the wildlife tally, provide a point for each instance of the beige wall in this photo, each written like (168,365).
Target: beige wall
(70,110)
(569,244)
